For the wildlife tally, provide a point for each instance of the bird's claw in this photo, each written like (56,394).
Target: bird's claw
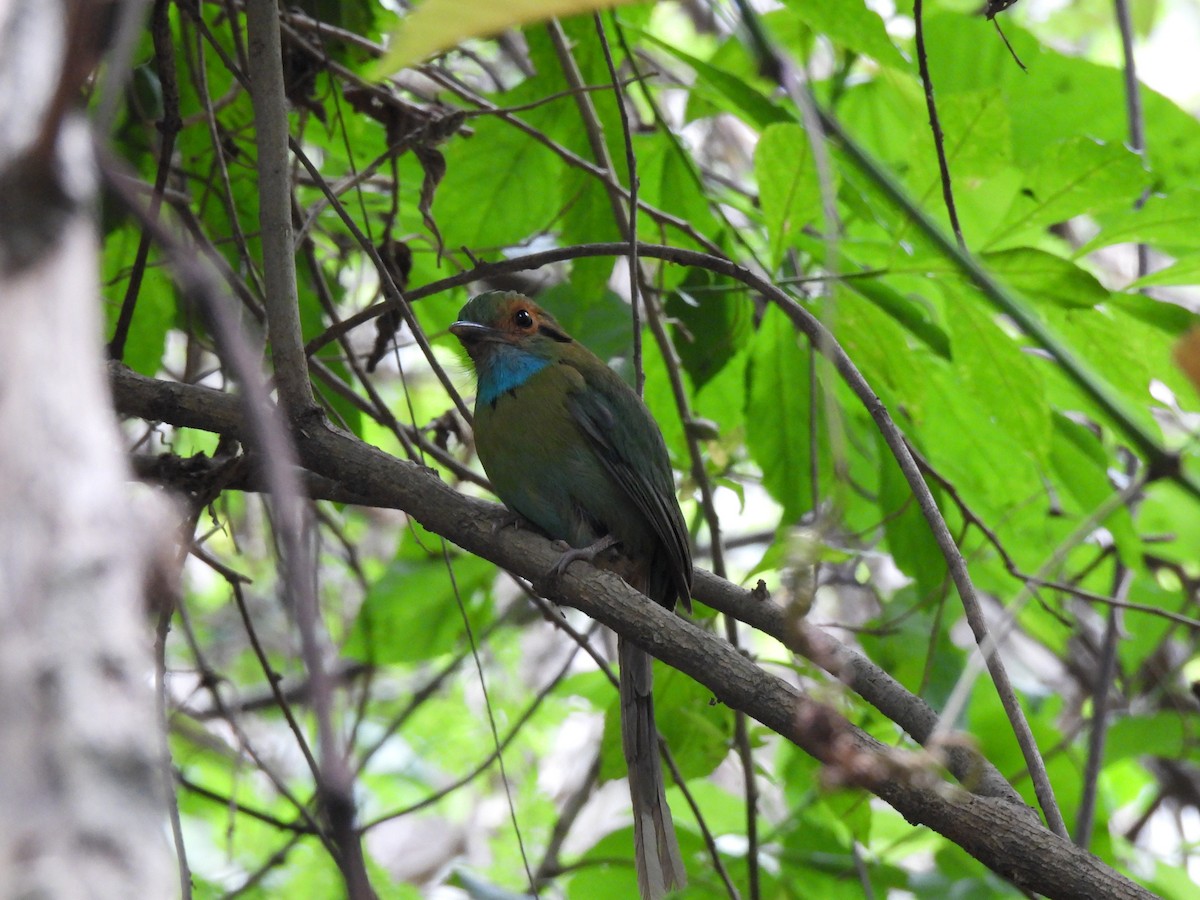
(571,554)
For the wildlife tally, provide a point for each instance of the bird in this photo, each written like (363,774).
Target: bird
(569,446)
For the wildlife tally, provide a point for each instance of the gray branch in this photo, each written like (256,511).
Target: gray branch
(1001,834)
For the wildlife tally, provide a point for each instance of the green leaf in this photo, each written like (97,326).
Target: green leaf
(788,187)
(739,97)
(438,25)
(911,315)
(671,183)
(977,134)
(1173,518)
(1060,97)
(1043,276)
(778,413)
(1158,734)
(601,321)
(1081,466)
(971,444)
(1185,271)
(411,614)
(1073,177)
(897,369)
(911,543)
(588,217)
(660,398)
(1132,351)
(487,199)
(710,323)
(879,112)
(1164,220)
(1169,320)
(852,25)
(997,376)
(154,314)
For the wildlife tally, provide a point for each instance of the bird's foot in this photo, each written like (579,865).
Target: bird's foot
(571,554)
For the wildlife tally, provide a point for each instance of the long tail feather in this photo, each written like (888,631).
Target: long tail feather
(659,863)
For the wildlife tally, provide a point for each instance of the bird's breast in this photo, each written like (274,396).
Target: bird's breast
(542,466)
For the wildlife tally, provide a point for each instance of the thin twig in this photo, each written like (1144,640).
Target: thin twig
(631,229)
(1105,677)
(935,124)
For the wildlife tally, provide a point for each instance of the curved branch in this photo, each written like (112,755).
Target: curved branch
(1000,834)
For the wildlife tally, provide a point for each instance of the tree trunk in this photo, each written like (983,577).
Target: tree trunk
(81,776)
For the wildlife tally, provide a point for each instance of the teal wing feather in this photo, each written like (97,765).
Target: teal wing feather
(629,445)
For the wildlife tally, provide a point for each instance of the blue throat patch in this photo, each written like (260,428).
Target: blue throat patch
(506,369)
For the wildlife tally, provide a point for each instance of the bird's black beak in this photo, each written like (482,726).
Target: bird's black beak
(472,332)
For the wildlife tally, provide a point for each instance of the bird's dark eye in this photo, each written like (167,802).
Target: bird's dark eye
(523,319)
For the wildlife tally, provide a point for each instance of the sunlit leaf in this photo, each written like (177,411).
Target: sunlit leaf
(1042,276)
(438,25)
(788,186)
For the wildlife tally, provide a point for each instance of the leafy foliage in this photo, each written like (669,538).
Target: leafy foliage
(439,656)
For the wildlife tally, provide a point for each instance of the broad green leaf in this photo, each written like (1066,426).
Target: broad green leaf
(500,186)
(1129,351)
(1144,632)
(1164,220)
(1165,318)
(975,446)
(1081,466)
(788,187)
(411,614)
(1185,271)
(671,183)
(1043,276)
(589,217)
(880,112)
(722,400)
(977,139)
(852,25)
(997,376)
(438,25)
(911,315)
(601,321)
(778,413)
(1059,97)
(896,368)
(739,97)
(1173,518)
(660,398)
(699,730)
(711,323)
(909,539)
(1073,177)
(1158,734)
(154,312)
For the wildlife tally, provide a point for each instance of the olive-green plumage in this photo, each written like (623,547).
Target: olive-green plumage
(569,446)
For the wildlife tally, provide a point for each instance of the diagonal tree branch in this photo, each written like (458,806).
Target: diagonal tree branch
(1000,834)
